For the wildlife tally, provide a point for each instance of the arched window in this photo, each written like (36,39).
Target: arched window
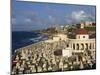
(83,36)
(82,46)
(74,46)
(77,46)
(90,45)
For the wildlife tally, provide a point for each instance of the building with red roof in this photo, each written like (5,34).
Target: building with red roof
(82,33)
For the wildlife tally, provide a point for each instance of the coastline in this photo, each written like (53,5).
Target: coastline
(32,40)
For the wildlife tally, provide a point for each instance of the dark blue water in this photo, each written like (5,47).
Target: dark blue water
(21,39)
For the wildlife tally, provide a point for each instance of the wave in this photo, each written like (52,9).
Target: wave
(40,38)
(21,39)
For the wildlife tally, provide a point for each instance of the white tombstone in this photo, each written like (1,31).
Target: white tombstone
(81,65)
(71,67)
(33,69)
(17,65)
(49,68)
(39,69)
(83,59)
(61,65)
(17,57)
(53,61)
(65,65)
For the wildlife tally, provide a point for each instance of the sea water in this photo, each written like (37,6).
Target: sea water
(23,38)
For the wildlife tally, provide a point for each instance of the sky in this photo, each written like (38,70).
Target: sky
(28,16)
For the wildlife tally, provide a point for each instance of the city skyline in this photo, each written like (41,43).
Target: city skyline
(26,16)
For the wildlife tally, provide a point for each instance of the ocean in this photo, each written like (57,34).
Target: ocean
(22,38)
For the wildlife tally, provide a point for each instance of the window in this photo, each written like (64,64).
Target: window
(67,45)
(83,36)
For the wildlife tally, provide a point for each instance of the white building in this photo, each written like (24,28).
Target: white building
(56,38)
(82,41)
(80,44)
(67,52)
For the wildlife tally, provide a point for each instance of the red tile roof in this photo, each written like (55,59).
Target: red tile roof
(82,31)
